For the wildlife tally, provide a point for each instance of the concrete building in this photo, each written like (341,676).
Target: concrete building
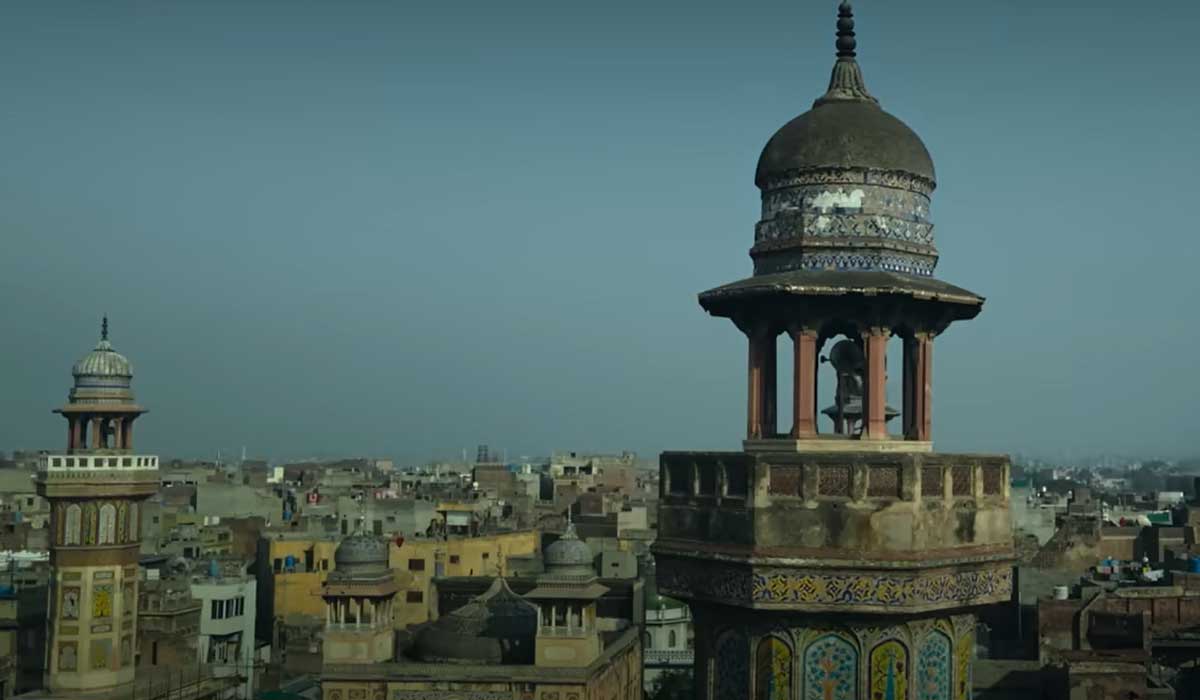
(668,640)
(95,487)
(227,595)
(841,565)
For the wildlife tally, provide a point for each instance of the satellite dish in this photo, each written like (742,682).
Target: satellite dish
(846,356)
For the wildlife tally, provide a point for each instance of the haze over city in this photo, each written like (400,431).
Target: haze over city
(391,229)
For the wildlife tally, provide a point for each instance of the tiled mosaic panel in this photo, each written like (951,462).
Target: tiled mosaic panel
(963,652)
(785,481)
(880,589)
(773,670)
(931,482)
(830,670)
(883,482)
(933,667)
(960,480)
(889,671)
(732,669)
(834,481)
(993,481)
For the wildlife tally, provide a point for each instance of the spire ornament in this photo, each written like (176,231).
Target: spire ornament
(846,82)
(104,328)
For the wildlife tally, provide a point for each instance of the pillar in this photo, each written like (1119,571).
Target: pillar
(804,383)
(118,433)
(923,387)
(875,384)
(97,433)
(128,432)
(73,429)
(770,423)
(754,392)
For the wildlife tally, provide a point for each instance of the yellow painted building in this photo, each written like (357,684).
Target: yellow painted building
(418,561)
(294,593)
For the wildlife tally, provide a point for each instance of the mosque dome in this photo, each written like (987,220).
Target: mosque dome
(498,627)
(361,553)
(103,375)
(570,556)
(845,186)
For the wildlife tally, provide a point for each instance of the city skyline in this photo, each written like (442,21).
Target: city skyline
(293,255)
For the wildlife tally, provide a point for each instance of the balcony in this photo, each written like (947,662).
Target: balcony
(907,531)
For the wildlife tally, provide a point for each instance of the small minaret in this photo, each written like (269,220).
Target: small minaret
(566,595)
(359,594)
(95,488)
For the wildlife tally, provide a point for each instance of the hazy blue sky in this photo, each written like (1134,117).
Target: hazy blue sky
(401,228)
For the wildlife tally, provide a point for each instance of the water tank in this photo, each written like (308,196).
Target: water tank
(1195,567)
(289,563)
(1060,592)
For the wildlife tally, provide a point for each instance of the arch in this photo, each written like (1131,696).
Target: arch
(831,669)
(933,669)
(671,639)
(122,522)
(889,671)
(107,531)
(89,523)
(71,529)
(773,670)
(731,666)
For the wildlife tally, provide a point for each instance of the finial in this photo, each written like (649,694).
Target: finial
(846,82)
(104,328)
(845,33)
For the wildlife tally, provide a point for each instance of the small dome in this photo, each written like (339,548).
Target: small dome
(103,361)
(569,555)
(498,627)
(361,553)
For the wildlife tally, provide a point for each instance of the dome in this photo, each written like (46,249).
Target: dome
(498,627)
(844,133)
(361,553)
(570,555)
(845,186)
(103,375)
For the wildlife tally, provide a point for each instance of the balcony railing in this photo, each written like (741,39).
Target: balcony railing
(65,463)
(668,657)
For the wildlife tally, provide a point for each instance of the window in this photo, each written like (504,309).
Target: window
(414,597)
(29,502)
(485,556)
(217,612)
(278,561)
(324,565)
(453,558)
(416,564)
(671,639)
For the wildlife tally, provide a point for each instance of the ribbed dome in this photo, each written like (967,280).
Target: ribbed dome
(103,375)
(498,627)
(103,361)
(570,555)
(361,553)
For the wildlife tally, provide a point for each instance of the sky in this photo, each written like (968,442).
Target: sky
(406,228)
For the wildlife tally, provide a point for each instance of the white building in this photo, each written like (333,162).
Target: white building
(227,594)
(667,642)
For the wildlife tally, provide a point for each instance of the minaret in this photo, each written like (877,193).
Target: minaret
(846,563)
(95,487)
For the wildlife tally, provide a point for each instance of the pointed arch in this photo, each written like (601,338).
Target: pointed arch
(773,669)
(933,669)
(731,665)
(73,522)
(889,671)
(108,524)
(831,669)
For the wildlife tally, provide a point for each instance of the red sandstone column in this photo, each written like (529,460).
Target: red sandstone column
(875,384)
(754,416)
(909,410)
(770,409)
(72,432)
(129,432)
(119,433)
(923,387)
(804,383)
(97,434)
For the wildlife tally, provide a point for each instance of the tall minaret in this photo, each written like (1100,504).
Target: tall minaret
(95,487)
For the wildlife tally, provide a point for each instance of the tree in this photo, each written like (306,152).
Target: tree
(671,685)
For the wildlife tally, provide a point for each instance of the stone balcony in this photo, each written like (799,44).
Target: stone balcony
(879,531)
